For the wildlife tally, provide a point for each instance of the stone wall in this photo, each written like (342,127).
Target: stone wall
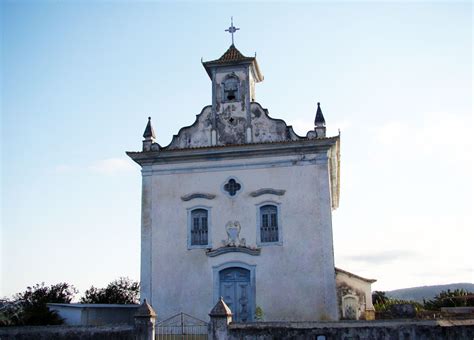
(143,329)
(122,332)
(373,330)
(222,328)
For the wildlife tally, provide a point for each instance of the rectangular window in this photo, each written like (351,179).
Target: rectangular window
(199,228)
(269,224)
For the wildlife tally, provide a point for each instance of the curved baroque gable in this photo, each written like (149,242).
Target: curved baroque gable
(196,135)
(267,129)
(232,129)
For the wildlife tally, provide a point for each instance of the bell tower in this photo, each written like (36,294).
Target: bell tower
(233,78)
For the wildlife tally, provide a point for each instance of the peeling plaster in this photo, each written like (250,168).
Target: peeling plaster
(231,127)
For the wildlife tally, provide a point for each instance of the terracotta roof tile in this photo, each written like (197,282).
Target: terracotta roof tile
(231,55)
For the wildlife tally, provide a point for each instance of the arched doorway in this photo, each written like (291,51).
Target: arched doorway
(235,287)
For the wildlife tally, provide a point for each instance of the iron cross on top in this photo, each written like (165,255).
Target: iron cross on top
(232,29)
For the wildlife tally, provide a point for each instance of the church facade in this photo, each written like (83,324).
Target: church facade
(239,206)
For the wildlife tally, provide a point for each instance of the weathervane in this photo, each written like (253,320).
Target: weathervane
(232,29)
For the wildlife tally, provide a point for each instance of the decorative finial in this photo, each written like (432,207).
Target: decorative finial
(319,119)
(149,132)
(232,29)
(220,309)
(319,123)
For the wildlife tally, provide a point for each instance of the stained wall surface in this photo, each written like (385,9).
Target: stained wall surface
(294,280)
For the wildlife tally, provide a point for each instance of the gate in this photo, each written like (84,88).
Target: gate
(181,326)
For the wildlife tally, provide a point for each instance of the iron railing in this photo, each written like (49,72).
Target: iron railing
(181,326)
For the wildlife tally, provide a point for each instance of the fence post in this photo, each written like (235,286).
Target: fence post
(145,322)
(221,317)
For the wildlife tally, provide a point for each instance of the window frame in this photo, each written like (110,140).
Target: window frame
(190,226)
(238,192)
(259,224)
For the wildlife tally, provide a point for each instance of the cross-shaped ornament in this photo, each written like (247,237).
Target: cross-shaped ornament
(232,29)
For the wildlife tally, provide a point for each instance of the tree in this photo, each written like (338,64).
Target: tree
(379,297)
(120,291)
(29,307)
(388,308)
(10,312)
(448,298)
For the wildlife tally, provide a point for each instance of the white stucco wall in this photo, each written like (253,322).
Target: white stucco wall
(78,314)
(294,280)
(71,315)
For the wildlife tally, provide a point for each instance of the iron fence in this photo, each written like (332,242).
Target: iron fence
(181,326)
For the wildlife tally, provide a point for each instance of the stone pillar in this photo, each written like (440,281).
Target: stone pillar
(370,314)
(320,131)
(145,322)
(147,142)
(221,317)
(146,235)
(329,310)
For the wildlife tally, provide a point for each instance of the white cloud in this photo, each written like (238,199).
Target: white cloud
(112,166)
(445,135)
(389,133)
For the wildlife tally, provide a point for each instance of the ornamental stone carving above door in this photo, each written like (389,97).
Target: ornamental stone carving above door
(233,235)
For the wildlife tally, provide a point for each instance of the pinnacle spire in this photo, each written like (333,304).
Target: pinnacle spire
(221,309)
(145,310)
(149,132)
(319,120)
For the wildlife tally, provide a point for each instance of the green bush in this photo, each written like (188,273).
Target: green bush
(448,298)
(29,307)
(120,291)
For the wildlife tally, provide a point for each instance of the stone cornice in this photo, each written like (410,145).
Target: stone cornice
(233,151)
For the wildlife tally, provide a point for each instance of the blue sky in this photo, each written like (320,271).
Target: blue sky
(79,79)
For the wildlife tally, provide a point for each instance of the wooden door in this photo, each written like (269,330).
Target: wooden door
(234,287)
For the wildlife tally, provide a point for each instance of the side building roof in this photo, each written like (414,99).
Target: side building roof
(339,270)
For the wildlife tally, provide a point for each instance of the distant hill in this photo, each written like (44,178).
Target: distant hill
(426,292)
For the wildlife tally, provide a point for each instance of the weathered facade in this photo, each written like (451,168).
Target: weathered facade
(238,205)
(354,295)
